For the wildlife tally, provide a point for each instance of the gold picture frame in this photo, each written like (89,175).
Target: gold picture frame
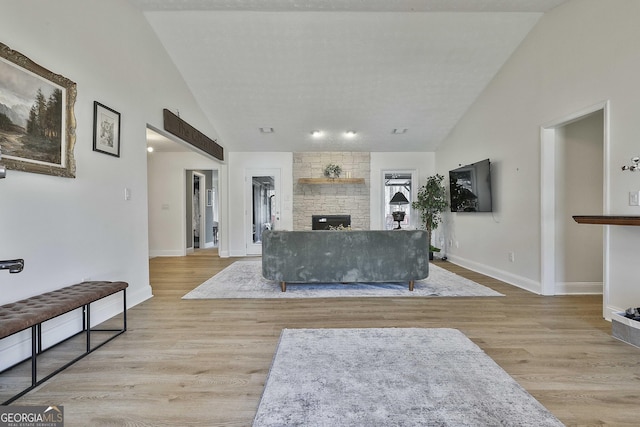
(37,121)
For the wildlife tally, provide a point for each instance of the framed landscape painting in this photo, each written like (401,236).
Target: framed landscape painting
(37,122)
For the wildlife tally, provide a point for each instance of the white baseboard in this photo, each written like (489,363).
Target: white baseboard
(579,288)
(166,252)
(134,297)
(15,349)
(609,310)
(510,278)
(562,288)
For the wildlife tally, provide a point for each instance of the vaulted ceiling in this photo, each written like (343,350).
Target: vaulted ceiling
(371,66)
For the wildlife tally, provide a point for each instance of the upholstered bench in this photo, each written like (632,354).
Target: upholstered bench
(368,256)
(32,312)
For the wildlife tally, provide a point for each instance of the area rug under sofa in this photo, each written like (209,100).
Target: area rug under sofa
(243,279)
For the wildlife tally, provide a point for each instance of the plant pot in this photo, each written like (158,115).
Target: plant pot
(398,215)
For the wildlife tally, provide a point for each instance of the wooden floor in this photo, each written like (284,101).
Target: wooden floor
(204,362)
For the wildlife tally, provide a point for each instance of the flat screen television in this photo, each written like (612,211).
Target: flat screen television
(470,187)
(325,222)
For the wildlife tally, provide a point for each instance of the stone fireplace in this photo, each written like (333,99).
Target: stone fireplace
(333,198)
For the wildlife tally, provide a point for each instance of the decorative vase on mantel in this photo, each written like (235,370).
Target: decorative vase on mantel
(332,171)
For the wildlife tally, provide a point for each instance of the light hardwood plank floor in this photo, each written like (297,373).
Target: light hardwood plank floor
(204,362)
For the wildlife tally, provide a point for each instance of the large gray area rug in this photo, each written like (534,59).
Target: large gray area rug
(243,279)
(391,377)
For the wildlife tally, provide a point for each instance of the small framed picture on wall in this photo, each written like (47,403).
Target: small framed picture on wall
(106,130)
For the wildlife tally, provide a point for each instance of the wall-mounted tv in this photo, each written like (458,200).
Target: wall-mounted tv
(470,187)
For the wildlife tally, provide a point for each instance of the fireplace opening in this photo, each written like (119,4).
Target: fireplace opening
(326,222)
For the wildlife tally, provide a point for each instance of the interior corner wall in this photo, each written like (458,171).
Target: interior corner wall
(70,230)
(578,55)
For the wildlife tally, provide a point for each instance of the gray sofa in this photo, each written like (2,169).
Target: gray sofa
(345,256)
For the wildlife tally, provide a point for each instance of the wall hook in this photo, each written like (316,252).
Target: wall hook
(634,167)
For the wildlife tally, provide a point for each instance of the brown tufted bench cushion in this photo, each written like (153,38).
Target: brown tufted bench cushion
(20,315)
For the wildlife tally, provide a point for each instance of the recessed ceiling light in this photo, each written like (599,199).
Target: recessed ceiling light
(350,133)
(266,130)
(150,149)
(399,131)
(316,133)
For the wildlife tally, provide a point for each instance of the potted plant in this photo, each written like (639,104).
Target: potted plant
(332,171)
(431,202)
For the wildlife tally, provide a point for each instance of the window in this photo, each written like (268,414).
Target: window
(394,182)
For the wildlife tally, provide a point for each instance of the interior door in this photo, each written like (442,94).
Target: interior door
(262,208)
(199,212)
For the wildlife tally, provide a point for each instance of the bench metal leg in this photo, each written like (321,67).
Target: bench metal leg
(39,332)
(88,317)
(84,317)
(124,310)
(34,352)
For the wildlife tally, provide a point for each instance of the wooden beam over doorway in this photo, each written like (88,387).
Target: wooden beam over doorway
(178,127)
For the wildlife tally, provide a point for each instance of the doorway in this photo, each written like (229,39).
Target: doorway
(198,230)
(200,209)
(569,187)
(263,206)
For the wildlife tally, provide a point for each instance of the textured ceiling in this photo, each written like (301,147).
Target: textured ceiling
(370,66)
(353,5)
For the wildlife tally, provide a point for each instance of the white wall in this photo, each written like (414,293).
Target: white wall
(578,55)
(167,209)
(238,163)
(423,163)
(69,230)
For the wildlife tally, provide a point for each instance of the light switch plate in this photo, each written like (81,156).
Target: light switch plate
(634,198)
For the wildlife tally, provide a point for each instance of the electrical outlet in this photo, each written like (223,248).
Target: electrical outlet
(634,198)
(512,257)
